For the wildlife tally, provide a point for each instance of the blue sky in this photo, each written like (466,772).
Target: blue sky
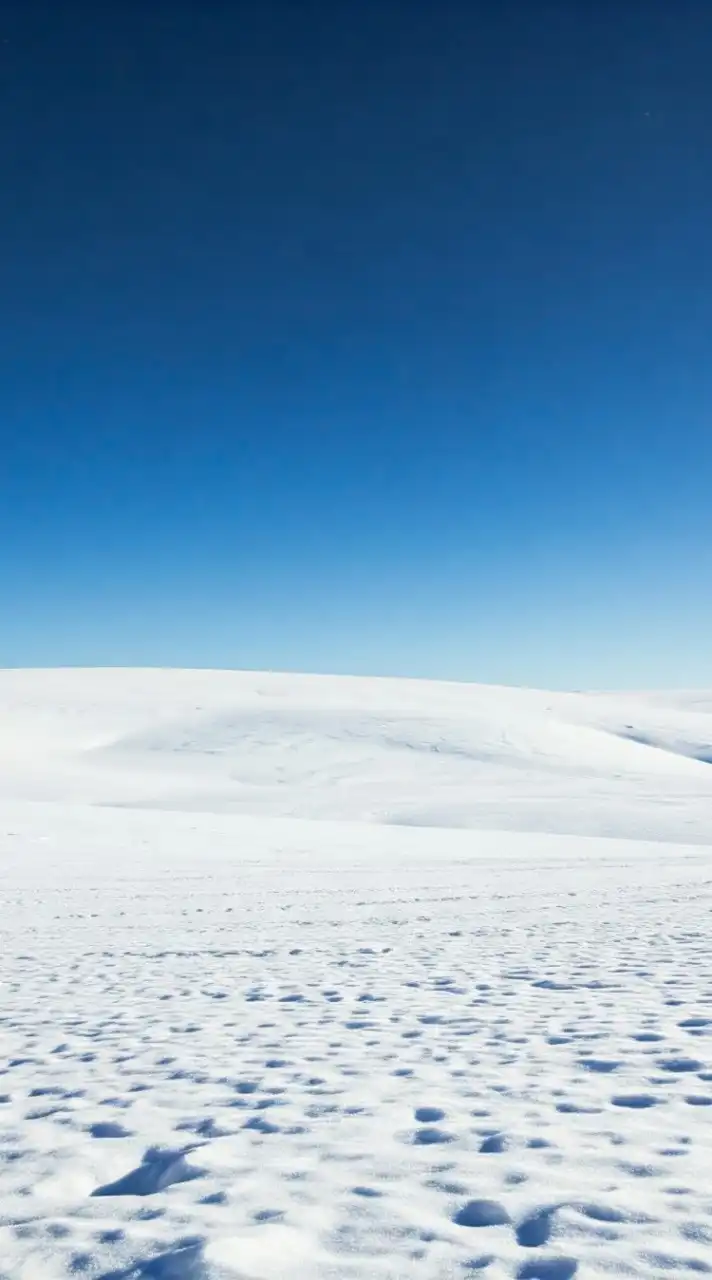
(365,338)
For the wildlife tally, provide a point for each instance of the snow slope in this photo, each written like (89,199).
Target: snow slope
(386,751)
(307,978)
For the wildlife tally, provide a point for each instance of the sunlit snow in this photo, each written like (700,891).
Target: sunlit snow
(341,978)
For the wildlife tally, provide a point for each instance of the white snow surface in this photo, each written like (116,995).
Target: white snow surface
(345,979)
(404,752)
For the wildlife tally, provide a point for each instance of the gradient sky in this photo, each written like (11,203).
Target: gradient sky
(355,335)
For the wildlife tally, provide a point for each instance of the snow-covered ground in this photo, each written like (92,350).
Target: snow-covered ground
(315,977)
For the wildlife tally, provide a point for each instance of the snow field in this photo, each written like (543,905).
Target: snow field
(257,1046)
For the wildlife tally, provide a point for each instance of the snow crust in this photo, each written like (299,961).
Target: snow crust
(315,977)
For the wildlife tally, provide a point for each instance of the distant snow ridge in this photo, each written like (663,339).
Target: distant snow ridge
(404,752)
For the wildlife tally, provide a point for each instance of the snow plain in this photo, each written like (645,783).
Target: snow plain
(337,978)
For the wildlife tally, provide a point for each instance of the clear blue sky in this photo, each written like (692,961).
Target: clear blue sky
(354,336)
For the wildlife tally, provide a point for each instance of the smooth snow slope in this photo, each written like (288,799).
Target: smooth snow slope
(266,1013)
(415,753)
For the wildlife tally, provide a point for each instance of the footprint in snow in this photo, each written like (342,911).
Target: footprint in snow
(548,1269)
(430,1136)
(158,1170)
(535,1229)
(635,1101)
(108,1129)
(186,1262)
(482,1213)
(429,1115)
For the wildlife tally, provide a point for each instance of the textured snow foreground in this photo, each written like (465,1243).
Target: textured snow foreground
(332,978)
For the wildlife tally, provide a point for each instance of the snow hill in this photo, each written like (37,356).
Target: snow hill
(394,752)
